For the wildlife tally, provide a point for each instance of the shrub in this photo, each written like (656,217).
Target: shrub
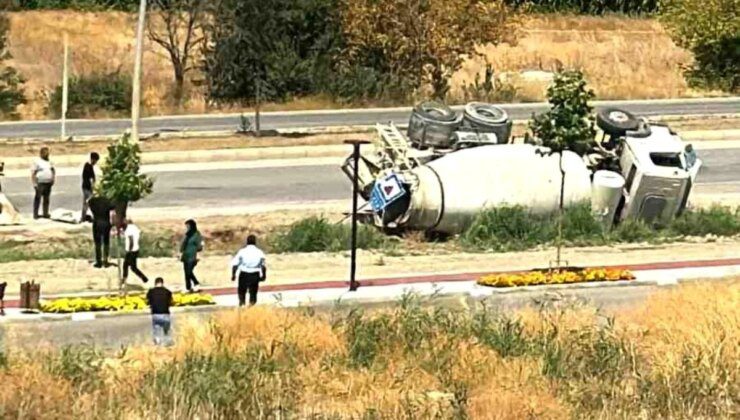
(11,82)
(711,30)
(508,229)
(426,42)
(108,94)
(717,220)
(85,5)
(588,7)
(284,46)
(316,234)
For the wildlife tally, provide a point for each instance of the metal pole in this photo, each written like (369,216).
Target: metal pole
(65,86)
(257,108)
(136,90)
(353,284)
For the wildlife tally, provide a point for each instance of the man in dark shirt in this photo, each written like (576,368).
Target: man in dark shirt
(88,182)
(101,208)
(159,299)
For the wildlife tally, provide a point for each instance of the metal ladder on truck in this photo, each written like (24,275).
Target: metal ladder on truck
(395,146)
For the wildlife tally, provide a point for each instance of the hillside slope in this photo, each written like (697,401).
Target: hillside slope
(622,58)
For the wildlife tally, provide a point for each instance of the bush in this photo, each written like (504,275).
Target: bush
(119,303)
(89,95)
(316,234)
(11,82)
(711,30)
(508,229)
(85,5)
(588,7)
(717,220)
(284,46)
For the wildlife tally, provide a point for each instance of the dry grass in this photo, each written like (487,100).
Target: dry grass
(673,357)
(622,57)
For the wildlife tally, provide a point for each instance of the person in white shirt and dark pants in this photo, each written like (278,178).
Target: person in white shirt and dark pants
(43,176)
(132,235)
(249,264)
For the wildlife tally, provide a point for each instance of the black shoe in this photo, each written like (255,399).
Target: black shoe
(98,265)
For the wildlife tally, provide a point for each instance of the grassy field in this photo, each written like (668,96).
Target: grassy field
(622,58)
(415,360)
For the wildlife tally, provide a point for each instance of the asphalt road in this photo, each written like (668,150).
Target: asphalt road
(295,184)
(330,118)
(116,331)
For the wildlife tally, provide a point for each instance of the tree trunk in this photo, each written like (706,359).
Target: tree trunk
(561,206)
(179,82)
(257,108)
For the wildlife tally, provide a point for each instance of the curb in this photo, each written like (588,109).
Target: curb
(457,277)
(296,152)
(198,156)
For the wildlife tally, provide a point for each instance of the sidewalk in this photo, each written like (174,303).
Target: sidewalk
(78,276)
(381,290)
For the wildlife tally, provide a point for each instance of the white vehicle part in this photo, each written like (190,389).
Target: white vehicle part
(658,177)
(447,193)
(606,191)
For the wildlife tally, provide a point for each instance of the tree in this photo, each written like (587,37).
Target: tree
(11,83)
(277,47)
(422,41)
(174,25)
(121,181)
(568,125)
(711,30)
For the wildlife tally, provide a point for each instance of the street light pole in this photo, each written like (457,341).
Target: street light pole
(353,285)
(65,86)
(136,89)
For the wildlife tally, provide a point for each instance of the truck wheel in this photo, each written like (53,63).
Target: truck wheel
(616,122)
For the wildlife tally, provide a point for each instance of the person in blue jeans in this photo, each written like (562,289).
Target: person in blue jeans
(159,299)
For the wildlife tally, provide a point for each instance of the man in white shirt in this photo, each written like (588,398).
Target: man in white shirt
(249,263)
(43,176)
(132,236)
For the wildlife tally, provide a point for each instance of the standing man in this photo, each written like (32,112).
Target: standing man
(132,236)
(249,262)
(43,176)
(159,299)
(88,182)
(101,208)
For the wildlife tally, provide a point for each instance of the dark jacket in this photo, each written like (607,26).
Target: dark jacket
(190,247)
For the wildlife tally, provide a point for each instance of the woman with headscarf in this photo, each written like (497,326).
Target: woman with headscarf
(191,245)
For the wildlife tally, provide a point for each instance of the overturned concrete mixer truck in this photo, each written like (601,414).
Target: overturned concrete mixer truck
(449,167)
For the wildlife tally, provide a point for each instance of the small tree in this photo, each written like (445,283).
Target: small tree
(11,83)
(425,41)
(121,181)
(711,30)
(174,25)
(568,125)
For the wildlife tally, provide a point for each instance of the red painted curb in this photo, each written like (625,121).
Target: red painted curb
(438,278)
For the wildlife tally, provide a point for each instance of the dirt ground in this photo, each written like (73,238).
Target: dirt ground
(31,148)
(65,276)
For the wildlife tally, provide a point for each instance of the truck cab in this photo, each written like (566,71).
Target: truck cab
(659,173)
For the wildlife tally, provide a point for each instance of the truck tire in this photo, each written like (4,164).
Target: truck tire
(486,118)
(432,124)
(616,122)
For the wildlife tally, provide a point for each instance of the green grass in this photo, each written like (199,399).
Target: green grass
(317,234)
(517,228)
(502,229)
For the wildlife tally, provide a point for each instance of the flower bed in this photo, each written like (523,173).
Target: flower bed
(564,276)
(119,303)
